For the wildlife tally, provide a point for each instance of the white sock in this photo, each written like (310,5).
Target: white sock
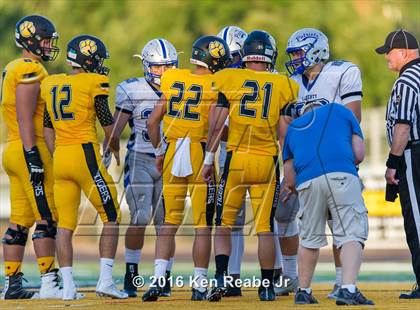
(237,252)
(106,269)
(338,275)
(170,264)
(306,289)
(350,287)
(132,256)
(200,274)
(160,268)
(67,275)
(290,266)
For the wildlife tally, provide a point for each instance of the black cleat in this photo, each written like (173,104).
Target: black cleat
(129,286)
(345,298)
(198,296)
(152,294)
(303,298)
(166,290)
(414,294)
(233,292)
(13,288)
(266,293)
(216,293)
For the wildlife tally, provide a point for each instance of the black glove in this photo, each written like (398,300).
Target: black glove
(35,166)
(391,192)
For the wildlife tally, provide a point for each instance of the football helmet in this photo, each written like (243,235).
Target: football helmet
(211,52)
(260,46)
(31,30)
(235,38)
(314,45)
(155,53)
(89,53)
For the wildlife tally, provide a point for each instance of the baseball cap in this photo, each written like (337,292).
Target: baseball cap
(398,39)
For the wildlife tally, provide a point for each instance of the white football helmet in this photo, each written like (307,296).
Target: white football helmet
(157,52)
(234,37)
(314,45)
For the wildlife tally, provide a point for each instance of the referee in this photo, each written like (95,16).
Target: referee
(402,175)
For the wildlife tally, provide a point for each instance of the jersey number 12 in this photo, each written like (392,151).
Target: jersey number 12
(65,101)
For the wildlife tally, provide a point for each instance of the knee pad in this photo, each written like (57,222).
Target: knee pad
(19,236)
(45,231)
(288,229)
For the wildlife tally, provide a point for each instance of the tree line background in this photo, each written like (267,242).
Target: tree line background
(354,29)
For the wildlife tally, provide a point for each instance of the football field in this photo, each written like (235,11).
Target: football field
(384,294)
(380,281)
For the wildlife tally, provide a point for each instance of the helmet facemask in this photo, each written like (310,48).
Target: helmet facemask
(312,55)
(50,53)
(153,77)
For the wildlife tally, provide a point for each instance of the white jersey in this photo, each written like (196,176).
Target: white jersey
(338,81)
(137,97)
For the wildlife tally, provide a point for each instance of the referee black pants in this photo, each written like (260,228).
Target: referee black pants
(409,190)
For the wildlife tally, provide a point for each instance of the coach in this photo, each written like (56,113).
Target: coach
(401,51)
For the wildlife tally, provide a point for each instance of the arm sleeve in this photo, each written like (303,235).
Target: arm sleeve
(100,85)
(407,99)
(289,110)
(47,120)
(102,111)
(350,87)
(123,102)
(288,93)
(222,101)
(30,72)
(287,152)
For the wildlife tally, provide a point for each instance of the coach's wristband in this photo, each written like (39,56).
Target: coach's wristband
(160,150)
(209,158)
(394,161)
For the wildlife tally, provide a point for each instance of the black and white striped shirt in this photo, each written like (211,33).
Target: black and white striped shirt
(403,105)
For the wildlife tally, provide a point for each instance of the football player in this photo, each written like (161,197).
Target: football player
(135,101)
(31,185)
(253,98)
(325,82)
(73,102)
(186,105)
(234,37)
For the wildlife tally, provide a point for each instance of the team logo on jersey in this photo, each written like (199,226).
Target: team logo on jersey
(216,49)
(88,47)
(27,29)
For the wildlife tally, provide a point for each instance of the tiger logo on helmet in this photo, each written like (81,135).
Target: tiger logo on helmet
(27,29)
(216,49)
(88,47)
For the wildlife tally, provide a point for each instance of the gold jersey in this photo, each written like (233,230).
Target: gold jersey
(21,71)
(70,103)
(188,100)
(255,100)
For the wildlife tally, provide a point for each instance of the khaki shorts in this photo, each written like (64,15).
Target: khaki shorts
(340,194)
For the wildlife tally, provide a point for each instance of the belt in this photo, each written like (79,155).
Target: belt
(412,144)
